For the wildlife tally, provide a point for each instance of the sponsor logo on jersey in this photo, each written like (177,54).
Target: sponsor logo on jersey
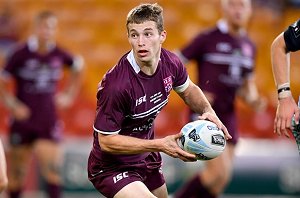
(218,140)
(140,100)
(145,127)
(223,47)
(296,29)
(120,176)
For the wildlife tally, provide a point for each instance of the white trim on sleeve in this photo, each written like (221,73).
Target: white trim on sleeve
(78,62)
(106,132)
(182,87)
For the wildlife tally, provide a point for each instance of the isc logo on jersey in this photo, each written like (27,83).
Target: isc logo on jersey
(140,100)
(120,176)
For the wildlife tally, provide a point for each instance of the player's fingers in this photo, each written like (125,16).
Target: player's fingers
(284,125)
(225,131)
(277,126)
(178,135)
(188,157)
(297,116)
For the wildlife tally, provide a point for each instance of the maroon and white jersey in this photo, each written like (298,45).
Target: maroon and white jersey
(129,100)
(223,63)
(36,78)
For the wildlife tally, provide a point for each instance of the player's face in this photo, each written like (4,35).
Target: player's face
(146,41)
(46,29)
(237,12)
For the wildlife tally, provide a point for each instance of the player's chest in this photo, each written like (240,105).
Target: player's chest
(149,96)
(50,66)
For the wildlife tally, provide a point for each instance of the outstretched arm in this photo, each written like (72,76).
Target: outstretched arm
(120,144)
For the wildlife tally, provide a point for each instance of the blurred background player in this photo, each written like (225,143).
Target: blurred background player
(9,31)
(36,68)
(286,42)
(3,174)
(125,159)
(225,57)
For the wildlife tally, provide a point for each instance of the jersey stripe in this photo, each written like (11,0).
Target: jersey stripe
(155,109)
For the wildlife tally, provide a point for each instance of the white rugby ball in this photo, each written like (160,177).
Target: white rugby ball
(203,138)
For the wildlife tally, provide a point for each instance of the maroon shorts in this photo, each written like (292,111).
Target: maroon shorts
(24,134)
(109,179)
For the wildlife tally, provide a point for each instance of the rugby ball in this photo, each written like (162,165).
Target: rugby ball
(203,138)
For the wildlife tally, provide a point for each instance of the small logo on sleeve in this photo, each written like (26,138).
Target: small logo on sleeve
(296,29)
(168,84)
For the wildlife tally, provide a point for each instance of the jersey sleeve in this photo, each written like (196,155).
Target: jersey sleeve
(292,37)
(110,108)
(10,66)
(181,78)
(194,49)
(74,62)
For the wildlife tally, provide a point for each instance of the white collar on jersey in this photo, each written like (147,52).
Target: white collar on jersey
(33,44)
(133,63)
(223,27)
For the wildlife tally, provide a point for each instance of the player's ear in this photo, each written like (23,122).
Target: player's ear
(163,36)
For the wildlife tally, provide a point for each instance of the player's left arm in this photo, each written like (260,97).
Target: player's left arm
(66,97)
(248,92)
(196,100)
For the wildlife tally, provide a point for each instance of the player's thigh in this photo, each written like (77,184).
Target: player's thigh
(49,156)
(161,192)
(18,159)
(220,167)
(134,189)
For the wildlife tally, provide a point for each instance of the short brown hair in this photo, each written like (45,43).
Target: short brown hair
(146,12)
(44,15)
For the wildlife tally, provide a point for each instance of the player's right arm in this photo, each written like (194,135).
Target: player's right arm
(120,144)
(280,57)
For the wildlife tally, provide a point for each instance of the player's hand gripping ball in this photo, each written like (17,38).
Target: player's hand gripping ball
(203,138)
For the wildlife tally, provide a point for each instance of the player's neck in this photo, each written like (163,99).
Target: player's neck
(148,69)
(44,46)
(235,30)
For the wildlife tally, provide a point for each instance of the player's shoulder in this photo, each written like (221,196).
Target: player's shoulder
(119,74)
(168,56)
(62,50)
(170,60)
(17,51)
(209,32)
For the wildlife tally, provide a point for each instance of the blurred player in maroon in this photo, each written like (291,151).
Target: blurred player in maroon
(3,174)
(286,42)
(225,57)
(125,159)
(36,67)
